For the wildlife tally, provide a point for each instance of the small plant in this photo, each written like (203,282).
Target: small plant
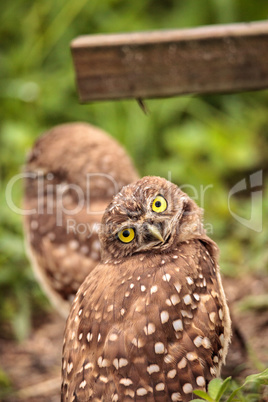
(228,390)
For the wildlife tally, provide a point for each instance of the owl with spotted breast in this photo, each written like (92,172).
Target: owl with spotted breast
(150,322)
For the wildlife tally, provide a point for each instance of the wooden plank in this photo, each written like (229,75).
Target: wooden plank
(211,59)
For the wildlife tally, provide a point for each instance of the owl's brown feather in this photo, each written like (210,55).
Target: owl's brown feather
(148,325)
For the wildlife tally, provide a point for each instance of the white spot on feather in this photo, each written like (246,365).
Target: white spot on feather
(159,348)
(176,396)
(141,392)
(153,368)
(82,384)
(164,316)
(160,386)
(177,325)
(200,381)
(154,289)
(187,388)
(172,373)
(166,277)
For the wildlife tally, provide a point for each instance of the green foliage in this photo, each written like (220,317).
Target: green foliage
(228,390)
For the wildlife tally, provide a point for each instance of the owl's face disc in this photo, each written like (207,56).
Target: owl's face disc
(144,217)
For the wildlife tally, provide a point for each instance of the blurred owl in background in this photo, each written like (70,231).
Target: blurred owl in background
(72,173)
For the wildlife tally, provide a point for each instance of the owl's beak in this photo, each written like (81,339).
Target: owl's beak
(154,232)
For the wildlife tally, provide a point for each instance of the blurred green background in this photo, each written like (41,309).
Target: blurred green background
(201,141)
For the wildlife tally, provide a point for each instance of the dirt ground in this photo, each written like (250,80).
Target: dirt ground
(34,365)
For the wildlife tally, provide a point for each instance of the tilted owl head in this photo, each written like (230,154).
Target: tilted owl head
(150,215)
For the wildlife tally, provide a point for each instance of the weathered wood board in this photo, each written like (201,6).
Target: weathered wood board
(211,59)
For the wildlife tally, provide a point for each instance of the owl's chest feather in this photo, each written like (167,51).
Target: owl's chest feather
(158,319)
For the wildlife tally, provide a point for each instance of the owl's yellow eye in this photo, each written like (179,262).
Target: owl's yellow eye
(159,204)
(126,235)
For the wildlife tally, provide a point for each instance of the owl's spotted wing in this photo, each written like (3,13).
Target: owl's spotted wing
(62,255)
(154,329)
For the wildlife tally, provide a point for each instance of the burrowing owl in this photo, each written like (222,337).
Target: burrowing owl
(72,174)
(151,321)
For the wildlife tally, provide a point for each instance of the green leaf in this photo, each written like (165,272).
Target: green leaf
(233,394)
(203,395)
(263,377)
(257,377)
(197,400)
(223,388)
(214,387)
